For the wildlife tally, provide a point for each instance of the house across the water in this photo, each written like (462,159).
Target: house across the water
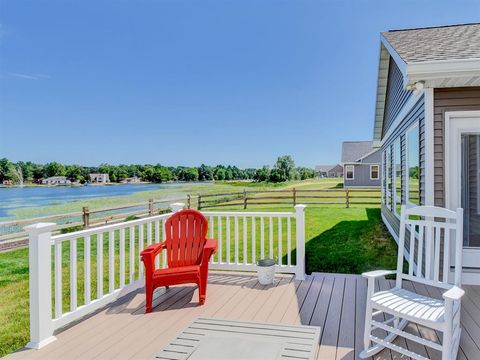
(361,164)
(427,123)
(99,178)
(329,171)
(56,180)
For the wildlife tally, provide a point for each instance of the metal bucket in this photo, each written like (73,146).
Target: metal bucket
(266,271)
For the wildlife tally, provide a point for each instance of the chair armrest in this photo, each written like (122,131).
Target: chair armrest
(455,293)
(148,256)
(208,250)
(378,273)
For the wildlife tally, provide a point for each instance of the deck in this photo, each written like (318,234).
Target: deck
(336,303)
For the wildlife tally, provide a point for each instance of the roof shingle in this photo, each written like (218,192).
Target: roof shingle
(354,150)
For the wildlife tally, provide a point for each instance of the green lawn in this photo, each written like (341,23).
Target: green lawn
(338,240)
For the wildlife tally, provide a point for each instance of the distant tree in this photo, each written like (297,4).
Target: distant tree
(205,173)
(54,169)
(219,173)
(285,167)
(262,174)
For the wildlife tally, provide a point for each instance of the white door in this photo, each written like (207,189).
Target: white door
(462,177)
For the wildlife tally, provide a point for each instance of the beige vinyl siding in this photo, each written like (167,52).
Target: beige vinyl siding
(448,99)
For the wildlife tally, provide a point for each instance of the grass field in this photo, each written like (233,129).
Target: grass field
(338,239)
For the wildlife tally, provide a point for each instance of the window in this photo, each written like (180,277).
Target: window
(397,173)
(374,172)
(350,172)
(413,170)
(384,181)
(389,180)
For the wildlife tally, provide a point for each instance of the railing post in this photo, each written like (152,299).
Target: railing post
(244,199)
(175,207)
(347,198)
(300,243)
(150,207)
(86,217)
(40,282)
(189,201)
(294,195)
(199,206)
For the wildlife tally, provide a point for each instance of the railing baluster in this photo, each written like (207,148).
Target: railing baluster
(436,269)
(131,239)
(211,218)
(73,274)
(411,249)
(99,265)
(446,255)
(262,237)
(254,245)
(140,248)
(58,280)
(244,240)
(289,242)
(149,234)
(111,261)
(236,239)
(271,236)
(219,224)
(228,240)
(86,271)
(122,257)
(421,235)
(280,238)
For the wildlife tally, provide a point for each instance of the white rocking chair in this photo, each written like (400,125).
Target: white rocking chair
(428,237)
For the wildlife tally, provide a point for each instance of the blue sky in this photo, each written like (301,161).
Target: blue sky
(188,82)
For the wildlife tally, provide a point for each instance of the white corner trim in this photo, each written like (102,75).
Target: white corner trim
(429,149)
(401,115)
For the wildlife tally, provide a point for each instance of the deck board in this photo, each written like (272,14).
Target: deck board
(334,302)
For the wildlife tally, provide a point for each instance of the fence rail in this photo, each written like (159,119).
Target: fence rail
(347,197)
(91,268)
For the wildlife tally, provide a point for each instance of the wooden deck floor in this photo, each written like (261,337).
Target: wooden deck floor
(336,303)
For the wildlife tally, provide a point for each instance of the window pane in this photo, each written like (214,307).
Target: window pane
(374,171)
(349,172)
(398,177)
(413,166)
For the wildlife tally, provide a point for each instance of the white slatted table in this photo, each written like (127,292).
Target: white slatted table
(217,339)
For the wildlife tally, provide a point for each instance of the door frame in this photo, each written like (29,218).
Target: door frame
(452,183)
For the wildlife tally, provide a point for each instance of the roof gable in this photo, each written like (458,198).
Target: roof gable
(352,151)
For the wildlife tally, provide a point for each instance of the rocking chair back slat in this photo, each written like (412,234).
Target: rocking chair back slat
(185,238)
(430,239)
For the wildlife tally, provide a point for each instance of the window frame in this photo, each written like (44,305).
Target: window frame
(397,199)
(378,171)
(346,172)
(388,166)
(415,125)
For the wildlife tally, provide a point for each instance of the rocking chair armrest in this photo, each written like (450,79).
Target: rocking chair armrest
(378,273)
(455,293)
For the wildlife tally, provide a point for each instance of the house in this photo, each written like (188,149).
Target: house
(427,123)
(329,171)
(131,180)
(56,180)
(361,163)
(99,178)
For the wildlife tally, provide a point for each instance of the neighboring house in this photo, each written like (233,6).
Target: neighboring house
(329,171)
(427,123)
(56,180)
(99,178)
(361,164)
(131,180)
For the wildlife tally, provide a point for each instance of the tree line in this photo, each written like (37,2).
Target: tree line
(283,170)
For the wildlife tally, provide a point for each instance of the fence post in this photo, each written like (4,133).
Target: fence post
(40,283)
(150,207)
(189,201)
(175,207)
(347,198)
(86,217)
(199,206)
(300,243)
(244,199)
(294,195)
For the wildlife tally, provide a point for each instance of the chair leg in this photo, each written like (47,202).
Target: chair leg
(367,330)
(148,297)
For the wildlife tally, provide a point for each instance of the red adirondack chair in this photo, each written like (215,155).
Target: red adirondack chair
(188,254)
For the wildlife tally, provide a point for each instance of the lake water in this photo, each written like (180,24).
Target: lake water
(19,197)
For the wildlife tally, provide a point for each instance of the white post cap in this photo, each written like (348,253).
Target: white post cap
(40,227)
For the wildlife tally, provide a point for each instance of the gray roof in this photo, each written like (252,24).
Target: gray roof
(453,42)
(354,150)
(324,168)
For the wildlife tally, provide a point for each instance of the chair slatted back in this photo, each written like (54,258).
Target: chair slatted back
(186,233)
(433,232)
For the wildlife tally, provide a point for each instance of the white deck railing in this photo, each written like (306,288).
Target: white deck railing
(76,273)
